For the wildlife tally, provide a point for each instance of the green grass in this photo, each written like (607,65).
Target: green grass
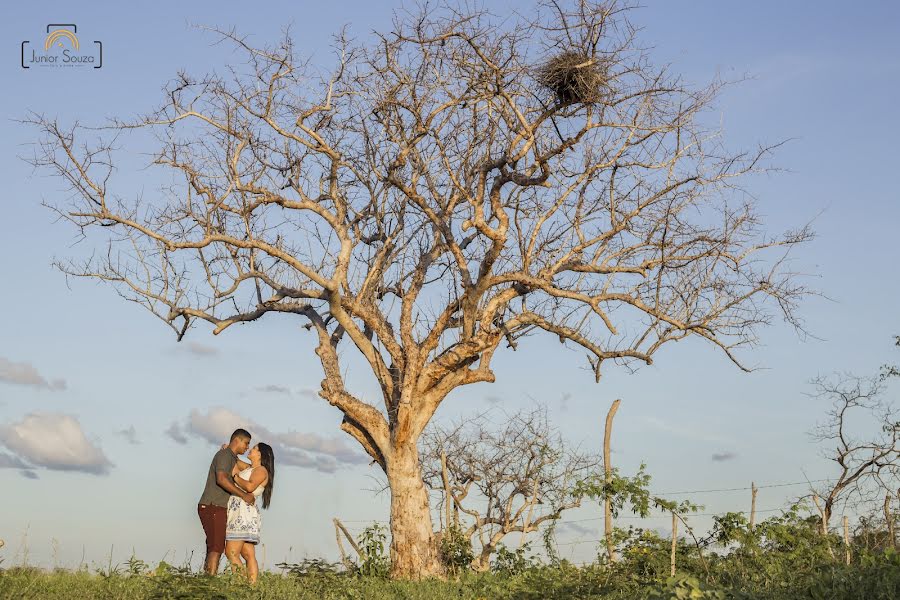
(792,571)
(875,581)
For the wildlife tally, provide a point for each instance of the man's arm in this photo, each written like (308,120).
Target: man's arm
(225,482)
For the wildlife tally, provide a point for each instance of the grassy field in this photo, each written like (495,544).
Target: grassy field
(782,558)
(873,579)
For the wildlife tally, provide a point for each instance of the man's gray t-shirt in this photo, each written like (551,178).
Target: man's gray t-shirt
(224,460)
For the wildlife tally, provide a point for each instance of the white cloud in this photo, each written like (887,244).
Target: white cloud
(26,374)
(310,450)
(54,441)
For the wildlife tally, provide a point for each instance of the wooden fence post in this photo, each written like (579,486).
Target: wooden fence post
(674,541)
(753,491)
(607,469)
(846,539)
(889,520)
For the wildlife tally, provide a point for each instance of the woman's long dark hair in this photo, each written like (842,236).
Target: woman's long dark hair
(267,458)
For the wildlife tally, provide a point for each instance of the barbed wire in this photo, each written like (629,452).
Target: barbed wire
(736,489)
(706,491)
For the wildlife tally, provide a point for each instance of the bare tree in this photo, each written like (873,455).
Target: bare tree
(499,476)
(456,185)
(862,432)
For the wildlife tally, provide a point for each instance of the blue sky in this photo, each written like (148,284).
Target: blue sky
(86,362)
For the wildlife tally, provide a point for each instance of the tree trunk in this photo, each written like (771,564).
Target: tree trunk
(414,553)
(482,562)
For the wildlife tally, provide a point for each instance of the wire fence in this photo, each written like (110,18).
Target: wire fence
(663,494)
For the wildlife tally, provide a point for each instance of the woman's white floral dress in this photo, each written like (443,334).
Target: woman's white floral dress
(243,519)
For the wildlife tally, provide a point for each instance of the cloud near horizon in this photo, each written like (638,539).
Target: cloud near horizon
(8,461)
(25,374)
(723,456)
(309,450)
(283,390)
(197,349)
(54,441)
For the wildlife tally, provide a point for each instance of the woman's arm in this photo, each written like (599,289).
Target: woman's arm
(240,481)
(257,477)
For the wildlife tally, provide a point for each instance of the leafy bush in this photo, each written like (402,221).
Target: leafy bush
(456,550)
(512,562)
(375,562)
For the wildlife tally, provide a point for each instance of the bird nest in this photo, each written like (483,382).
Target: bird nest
(574,78)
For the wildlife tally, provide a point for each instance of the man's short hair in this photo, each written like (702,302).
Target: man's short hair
(241,433)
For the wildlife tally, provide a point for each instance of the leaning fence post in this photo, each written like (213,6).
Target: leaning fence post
(338,528)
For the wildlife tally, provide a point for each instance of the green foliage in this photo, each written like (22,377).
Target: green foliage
(685,587)
(456,550)
(310,567)
(548,538)
(619,489)
(512,562)
(872,576)
(784,557)
(628,491)
(375,562)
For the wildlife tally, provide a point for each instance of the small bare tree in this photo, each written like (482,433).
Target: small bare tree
(460,183)
(514,478)
(862,432)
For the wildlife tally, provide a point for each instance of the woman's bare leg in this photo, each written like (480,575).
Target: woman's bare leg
(248,552)
(234,550)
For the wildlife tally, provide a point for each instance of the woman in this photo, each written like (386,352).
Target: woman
(242,529)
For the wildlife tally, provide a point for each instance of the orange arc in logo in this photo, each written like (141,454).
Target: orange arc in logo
(56,37)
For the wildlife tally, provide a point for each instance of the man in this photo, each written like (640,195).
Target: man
(213,505)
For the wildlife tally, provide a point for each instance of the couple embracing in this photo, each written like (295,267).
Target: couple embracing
(229,506)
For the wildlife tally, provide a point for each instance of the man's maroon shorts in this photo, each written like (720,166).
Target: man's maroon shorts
(213,519)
